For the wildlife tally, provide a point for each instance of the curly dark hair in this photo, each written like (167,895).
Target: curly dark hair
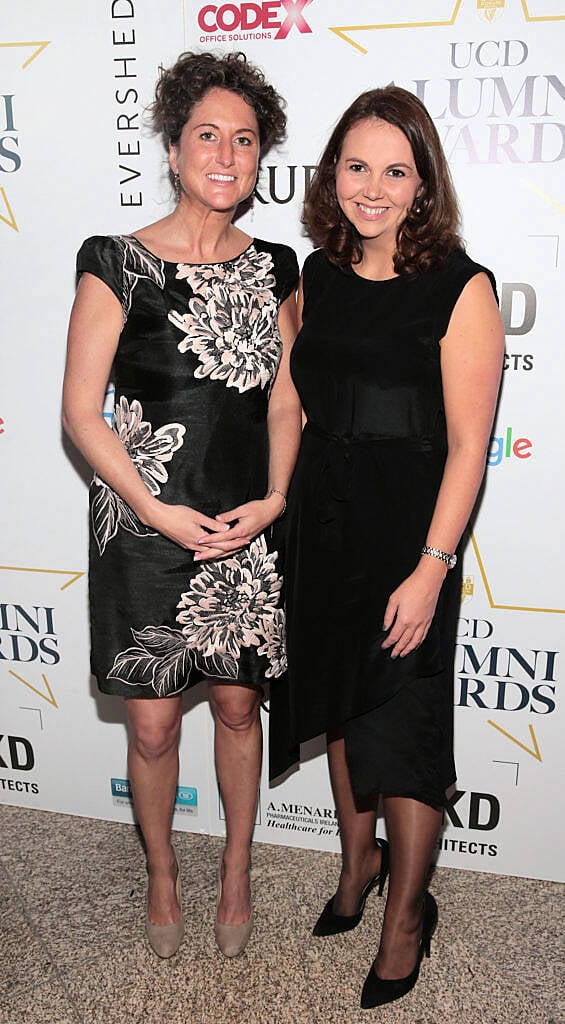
(431,227)
(183,85)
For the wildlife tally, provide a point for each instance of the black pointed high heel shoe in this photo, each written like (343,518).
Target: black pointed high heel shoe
(329,923)
(378,991)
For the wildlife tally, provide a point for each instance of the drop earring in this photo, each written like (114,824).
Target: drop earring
(177,186)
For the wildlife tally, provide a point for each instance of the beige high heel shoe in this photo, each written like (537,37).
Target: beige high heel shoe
(231,938)
(165,939)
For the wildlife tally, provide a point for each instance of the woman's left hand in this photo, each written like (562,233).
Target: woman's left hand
(411,608)
(249,520)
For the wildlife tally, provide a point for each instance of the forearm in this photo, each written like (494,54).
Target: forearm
(464,470)
(284,427)
(107,456)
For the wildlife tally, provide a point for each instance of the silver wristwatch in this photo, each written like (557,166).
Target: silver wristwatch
(450,560)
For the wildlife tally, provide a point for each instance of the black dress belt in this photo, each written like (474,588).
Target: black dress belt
(333,486)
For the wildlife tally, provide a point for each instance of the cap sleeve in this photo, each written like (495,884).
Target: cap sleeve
(287,272)
(457,272)
(313,276)
(103,257)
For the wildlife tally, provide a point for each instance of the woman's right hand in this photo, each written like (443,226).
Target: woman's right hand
(184,526)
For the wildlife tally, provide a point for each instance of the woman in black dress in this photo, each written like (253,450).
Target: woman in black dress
(197,320)
(397,364)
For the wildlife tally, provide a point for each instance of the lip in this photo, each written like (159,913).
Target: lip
(221,179)
(371,213)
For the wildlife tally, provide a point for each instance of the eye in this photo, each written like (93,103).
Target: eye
(243,140)
(356,168)
(396,172)
(207,136)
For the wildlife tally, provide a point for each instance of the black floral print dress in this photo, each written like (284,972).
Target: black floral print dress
(196,359)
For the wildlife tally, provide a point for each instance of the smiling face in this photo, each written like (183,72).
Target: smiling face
(376,181)
(218,152)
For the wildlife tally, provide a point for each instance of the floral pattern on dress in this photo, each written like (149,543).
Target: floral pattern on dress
(148,450)
(162,660)
(232,321)
(252,271)
(138,263)
(230,604)
(274,647)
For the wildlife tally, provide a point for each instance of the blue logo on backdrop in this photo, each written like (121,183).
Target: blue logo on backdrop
(186,801)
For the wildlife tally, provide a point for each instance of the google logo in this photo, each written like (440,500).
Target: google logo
(504,447)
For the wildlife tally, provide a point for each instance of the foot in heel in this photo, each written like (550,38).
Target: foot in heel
(378,991)
(330,923)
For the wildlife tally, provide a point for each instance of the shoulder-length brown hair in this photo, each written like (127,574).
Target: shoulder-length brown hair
(430,229)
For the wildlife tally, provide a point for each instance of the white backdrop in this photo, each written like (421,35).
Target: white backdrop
(76,158)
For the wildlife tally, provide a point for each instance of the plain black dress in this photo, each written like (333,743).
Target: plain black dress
(367,367)
(196,359)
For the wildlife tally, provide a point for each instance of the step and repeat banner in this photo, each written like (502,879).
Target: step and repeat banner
(77,158)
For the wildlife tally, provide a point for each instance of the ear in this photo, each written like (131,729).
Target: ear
(173,158)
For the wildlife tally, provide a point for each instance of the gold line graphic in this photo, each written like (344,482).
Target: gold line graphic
(40,46)
(12,221)
(543,195)
(55,572)
(506,607)
(533,753)
(341,30)
(50,699)
(540,17)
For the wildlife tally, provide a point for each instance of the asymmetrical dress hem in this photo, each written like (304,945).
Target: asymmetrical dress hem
(366,364)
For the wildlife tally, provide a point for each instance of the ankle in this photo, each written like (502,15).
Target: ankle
(236,862)
(364,864)
(162,862)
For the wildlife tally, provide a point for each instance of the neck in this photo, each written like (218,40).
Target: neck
(377,261)
(375,265)
(207,235)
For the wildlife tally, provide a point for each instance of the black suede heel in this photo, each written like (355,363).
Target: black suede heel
(378,991)
(329,923)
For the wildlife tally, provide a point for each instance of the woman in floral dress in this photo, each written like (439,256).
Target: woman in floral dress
(197,320)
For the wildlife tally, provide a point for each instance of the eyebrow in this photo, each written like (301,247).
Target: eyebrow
(210,124)
(361,160)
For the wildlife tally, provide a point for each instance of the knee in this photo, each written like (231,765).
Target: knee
(237,710)
(152,740)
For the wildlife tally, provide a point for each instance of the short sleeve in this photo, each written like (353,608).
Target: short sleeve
(316,273)
(286,272)
(102,256)
(452,278)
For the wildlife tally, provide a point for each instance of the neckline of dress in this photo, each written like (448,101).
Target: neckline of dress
(371,280)
(187,263)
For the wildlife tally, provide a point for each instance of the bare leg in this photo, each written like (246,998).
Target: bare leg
(238,747)
(153,765)
(412,829)
(360,855)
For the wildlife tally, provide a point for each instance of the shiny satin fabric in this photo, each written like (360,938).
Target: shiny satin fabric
(195,363)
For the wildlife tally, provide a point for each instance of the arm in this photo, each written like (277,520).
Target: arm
(471,364)
(283,424)
(94,331)
(299,312)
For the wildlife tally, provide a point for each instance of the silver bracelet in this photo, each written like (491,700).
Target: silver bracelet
(450,560)
(275,490)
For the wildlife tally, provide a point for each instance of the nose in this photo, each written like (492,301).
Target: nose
(224,153)
(373,187)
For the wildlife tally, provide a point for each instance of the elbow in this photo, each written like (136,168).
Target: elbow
(472,454)
(70,421)
(67,421)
